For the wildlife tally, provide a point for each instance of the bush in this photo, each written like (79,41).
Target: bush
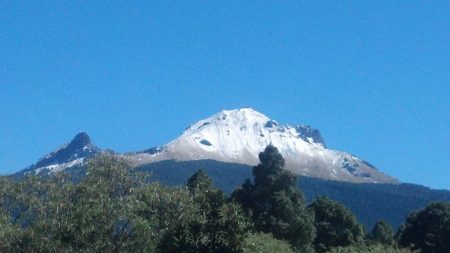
(377,248)
(335,225)
(265,243)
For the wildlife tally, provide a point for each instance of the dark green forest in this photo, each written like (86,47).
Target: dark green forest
(369,202)
(116,209)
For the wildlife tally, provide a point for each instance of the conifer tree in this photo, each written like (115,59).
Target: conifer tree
(274,201)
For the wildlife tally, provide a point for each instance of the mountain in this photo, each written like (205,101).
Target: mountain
(233,136)
(238,136)
(227,144)
(74,153)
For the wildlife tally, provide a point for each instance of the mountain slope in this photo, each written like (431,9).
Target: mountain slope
(237,136)
(74,153)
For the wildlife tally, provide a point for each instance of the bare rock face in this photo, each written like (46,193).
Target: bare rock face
(239,135)
(310,134)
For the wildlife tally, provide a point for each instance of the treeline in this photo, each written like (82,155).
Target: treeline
(113,210)
(369,202)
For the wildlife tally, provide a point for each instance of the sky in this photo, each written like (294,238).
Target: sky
(373,76)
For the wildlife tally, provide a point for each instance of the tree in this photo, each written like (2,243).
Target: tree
(24,206)
(12,238)
(374,248)
(215,225)
(428,230)
(200,181)
(96,215)
(382,233)
(101,215)
(265,243)
(335,225)
(274,201)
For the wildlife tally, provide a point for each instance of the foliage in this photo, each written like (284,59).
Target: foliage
(428,230)
(265,243)
(374,248)
(115,209)
(12,238)
(96,215)
(112,210)
(164,207)
(382,233)
(274,201)
(369,202)
(199,181)
(104,209)
(335,225)
(216,226)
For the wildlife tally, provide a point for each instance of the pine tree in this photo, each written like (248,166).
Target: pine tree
(274,201)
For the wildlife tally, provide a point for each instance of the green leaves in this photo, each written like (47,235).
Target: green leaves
(114,210)
(199,181)
(382,233)
(428,229)
(97,215)
(335,225)
(265,243)
(216,225)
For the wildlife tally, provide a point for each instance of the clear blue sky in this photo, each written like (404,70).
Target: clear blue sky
(373,76)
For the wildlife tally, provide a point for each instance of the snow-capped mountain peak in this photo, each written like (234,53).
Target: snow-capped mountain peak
(235,136)
(235,124)
(239,135)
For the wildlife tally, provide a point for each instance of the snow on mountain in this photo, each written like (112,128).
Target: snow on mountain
(239,135)
(235,136)
(71,154)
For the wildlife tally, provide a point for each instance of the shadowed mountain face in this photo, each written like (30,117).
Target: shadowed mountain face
(69,155)
(310,134)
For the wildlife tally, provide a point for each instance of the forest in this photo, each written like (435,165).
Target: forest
(115,209)
(369,202)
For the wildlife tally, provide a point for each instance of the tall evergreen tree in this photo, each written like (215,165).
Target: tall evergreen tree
(274,201)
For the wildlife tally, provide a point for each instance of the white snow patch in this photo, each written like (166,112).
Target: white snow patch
(59,167)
